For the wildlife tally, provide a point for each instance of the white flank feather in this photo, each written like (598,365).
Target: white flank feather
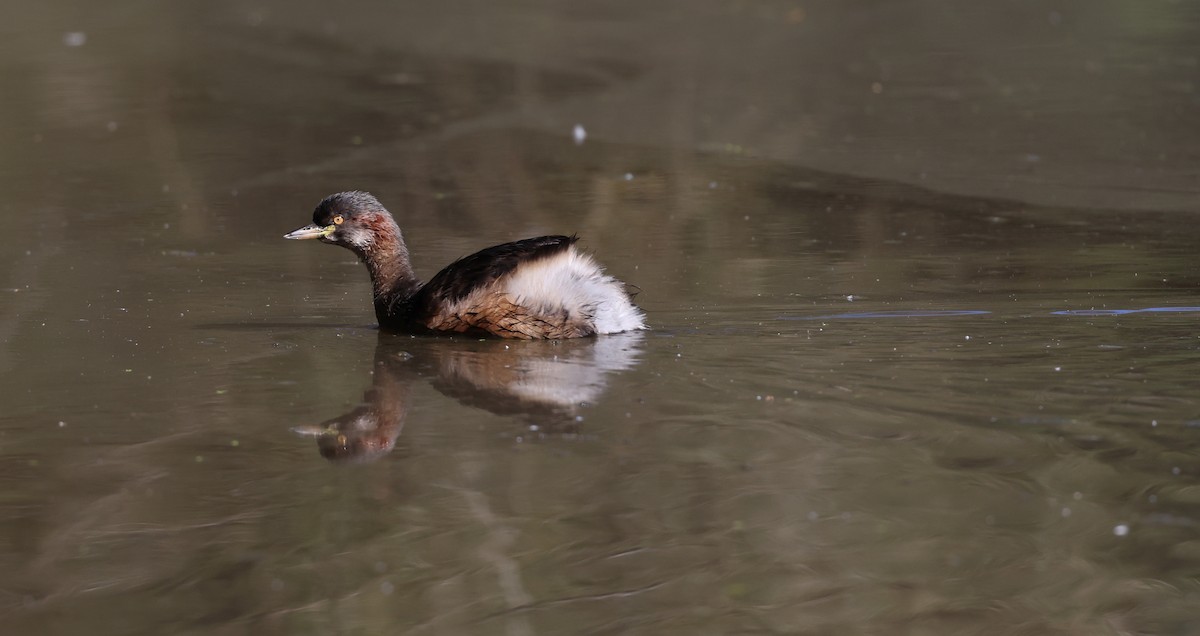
(574,281)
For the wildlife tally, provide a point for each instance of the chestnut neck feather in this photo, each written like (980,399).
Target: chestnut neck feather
(386,257)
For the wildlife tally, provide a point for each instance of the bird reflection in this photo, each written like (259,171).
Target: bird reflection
(545,381)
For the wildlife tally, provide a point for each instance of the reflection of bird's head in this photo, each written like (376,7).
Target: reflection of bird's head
(356,436)
(353,447)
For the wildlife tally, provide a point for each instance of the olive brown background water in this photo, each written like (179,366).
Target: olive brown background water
(922,279)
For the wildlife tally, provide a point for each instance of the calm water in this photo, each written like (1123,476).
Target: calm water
(923,287)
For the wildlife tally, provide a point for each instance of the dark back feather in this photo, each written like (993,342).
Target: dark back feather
(482,268)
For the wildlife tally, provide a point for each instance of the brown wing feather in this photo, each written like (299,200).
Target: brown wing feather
(438,304)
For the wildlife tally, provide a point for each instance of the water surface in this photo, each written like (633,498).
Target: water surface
(924,365)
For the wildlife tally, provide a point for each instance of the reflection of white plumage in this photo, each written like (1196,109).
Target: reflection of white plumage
(546,381)
(563,377)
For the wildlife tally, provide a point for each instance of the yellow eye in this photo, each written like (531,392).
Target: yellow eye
(337,220)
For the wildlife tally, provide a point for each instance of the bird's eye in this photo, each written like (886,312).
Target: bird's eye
(337,220)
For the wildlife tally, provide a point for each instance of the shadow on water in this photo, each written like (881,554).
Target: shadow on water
(543,384)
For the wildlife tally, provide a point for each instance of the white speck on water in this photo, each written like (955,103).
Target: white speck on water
(1153,423)
(533,427)
(387,588)
(1058,368)
(1066,512)
(966,337)
(61,424)
(1121,530)
(579,134)
(1077,496)
(75,38)
(629,176)
(578,418)
(1175,471)
(712,185)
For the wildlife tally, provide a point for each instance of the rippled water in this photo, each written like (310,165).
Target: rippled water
(923,366)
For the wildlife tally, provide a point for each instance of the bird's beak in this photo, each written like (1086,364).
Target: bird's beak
(314,430)
(310,232)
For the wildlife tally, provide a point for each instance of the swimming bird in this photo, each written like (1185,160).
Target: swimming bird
(536,288)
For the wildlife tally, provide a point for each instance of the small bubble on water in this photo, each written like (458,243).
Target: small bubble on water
(1066,512)
(578,418)
(61,424)
(75,38)
(1121,530)
(578,134)
(629,176)
(1153,422)
(1175,471)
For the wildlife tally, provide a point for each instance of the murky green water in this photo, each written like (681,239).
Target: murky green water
(923,287)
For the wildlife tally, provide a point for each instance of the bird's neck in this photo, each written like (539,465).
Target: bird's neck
(391,271)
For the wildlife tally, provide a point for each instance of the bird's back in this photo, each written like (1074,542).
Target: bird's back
(531,289)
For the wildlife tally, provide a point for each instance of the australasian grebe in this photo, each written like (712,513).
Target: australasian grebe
(531,289)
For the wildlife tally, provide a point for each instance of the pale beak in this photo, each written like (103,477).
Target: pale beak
(312,231)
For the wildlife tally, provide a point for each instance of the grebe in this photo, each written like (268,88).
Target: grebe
(531,289)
